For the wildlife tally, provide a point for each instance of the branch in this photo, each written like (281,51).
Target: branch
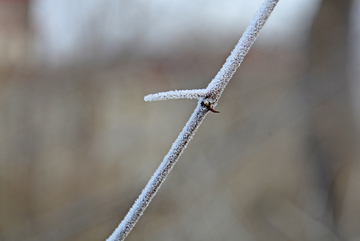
(178,94)
(208,99)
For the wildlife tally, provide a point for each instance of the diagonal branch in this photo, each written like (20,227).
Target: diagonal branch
(208,99)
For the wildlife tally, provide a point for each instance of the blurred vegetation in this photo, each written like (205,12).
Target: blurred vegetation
(280,162)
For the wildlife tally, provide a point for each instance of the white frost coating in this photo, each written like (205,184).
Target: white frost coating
(178,94)
(208,98)
(232,63)
(160,174)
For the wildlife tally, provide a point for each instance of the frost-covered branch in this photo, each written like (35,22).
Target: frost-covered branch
(208,99)
(178,94)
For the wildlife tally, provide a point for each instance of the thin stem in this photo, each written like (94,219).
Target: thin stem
(178,94)
(233,62)
(160,174)
(208,98)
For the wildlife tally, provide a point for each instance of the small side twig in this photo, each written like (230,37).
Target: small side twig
(208,99)
(178,94)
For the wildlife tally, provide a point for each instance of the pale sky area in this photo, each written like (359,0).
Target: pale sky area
(65,27)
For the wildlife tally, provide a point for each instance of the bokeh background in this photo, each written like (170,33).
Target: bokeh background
(78,143)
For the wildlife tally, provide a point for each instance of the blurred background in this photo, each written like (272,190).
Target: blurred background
(78,143)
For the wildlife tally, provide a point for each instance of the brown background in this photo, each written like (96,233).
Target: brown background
(280,162)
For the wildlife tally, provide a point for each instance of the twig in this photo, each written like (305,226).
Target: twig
(208,99)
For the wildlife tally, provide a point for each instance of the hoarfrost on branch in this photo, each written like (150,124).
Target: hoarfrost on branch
(207,100)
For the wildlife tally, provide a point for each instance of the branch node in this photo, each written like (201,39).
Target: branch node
(207,105)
